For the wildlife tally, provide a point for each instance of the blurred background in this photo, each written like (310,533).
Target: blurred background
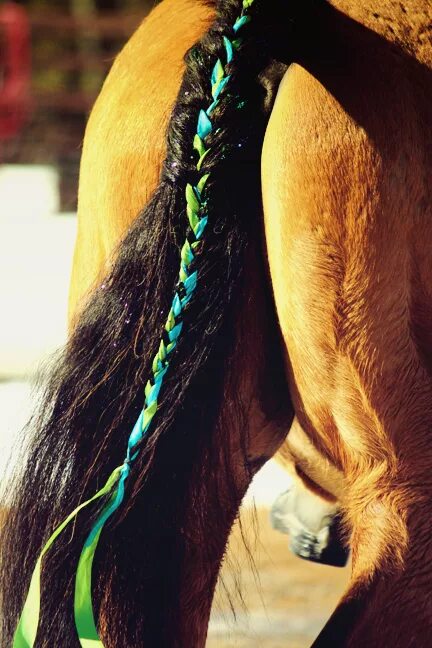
(54,56)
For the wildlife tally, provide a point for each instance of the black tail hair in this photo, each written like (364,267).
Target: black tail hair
(95,392)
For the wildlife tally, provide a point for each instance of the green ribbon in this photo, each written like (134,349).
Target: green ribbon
(83,607)
(25,634)
(84,618)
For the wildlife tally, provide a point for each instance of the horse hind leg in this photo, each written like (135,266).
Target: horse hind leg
(313,524)
(309,510)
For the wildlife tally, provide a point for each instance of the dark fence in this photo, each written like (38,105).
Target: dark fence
(77,63)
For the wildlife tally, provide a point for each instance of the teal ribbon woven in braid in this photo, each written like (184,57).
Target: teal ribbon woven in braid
(25,635)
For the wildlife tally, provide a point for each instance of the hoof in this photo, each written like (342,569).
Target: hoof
(311,547)
(313,526)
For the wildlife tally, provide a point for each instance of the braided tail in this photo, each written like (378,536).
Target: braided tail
(189,276)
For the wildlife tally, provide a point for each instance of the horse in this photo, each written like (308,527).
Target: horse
(284,151)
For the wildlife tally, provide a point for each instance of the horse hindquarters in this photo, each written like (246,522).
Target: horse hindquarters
(187,525)
(123,153)
(349,239)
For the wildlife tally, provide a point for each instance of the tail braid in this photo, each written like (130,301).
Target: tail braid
(195,209)
(196,203)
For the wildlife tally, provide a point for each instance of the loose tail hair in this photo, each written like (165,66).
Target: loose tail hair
(95,393)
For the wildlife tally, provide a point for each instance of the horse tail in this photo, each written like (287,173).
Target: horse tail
(155,333)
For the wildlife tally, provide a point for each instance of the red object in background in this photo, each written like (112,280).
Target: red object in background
(15,69)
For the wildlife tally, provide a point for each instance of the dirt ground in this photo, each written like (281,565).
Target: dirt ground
(286,601)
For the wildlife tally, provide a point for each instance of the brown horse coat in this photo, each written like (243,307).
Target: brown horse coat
(346,170)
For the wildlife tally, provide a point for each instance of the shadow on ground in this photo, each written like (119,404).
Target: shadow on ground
(286,601)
